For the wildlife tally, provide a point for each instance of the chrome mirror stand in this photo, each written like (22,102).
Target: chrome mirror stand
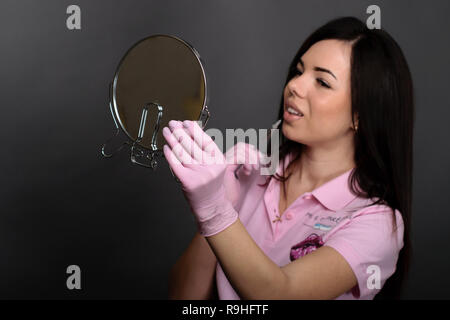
(140,155)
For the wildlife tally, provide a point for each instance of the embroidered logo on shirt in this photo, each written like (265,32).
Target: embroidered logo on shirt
(310,244)
(322,227)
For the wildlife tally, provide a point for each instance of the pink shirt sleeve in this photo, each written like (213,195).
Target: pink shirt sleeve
(368,245)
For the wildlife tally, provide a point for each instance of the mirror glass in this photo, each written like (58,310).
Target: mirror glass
(162,70)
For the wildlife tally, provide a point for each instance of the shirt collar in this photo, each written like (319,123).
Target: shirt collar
(334,194)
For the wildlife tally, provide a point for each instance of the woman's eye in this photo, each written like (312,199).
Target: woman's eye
(320,81)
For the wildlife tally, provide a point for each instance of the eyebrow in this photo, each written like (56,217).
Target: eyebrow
(318,69)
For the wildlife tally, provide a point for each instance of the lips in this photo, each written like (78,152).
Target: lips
(293,106)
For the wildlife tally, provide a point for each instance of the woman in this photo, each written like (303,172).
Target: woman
(333,222)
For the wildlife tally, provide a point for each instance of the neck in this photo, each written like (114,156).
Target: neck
(317,165)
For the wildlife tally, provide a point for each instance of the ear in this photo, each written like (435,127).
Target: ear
(355,123)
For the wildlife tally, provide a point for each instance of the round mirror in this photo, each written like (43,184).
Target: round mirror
(160,78)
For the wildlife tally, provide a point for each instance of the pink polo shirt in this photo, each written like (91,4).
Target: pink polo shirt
(330,215)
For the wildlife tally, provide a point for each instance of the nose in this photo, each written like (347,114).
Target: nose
(296,87)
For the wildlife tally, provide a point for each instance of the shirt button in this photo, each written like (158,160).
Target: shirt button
(288,215)
(307,197)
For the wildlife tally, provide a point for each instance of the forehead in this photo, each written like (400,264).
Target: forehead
(333,55)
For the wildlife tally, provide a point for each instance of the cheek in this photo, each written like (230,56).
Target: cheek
(331,113)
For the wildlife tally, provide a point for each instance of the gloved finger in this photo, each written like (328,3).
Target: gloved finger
(177,148)
(243,159)
(188,144)
(241,153)
(192,150)
(198,135)
(173,124)
(212,154)
(237,153)
(234,156)
(253,155)
(247,169)
(173,161)
(250,154)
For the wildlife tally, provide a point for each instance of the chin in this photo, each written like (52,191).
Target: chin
(290,136)
(285,131)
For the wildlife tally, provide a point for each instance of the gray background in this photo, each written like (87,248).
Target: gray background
(62,203)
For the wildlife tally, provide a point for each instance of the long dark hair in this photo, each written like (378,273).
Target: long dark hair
(382,97)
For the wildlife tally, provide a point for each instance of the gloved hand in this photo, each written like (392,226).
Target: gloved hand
(200,166)
(245,157)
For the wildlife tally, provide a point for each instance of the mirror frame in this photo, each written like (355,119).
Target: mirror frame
(113,86)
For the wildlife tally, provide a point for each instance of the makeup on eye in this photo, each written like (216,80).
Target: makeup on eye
(320,81)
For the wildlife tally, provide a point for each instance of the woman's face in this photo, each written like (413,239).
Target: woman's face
(322,97)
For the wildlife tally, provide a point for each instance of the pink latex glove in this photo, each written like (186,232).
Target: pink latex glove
(241,153)
(200,166)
